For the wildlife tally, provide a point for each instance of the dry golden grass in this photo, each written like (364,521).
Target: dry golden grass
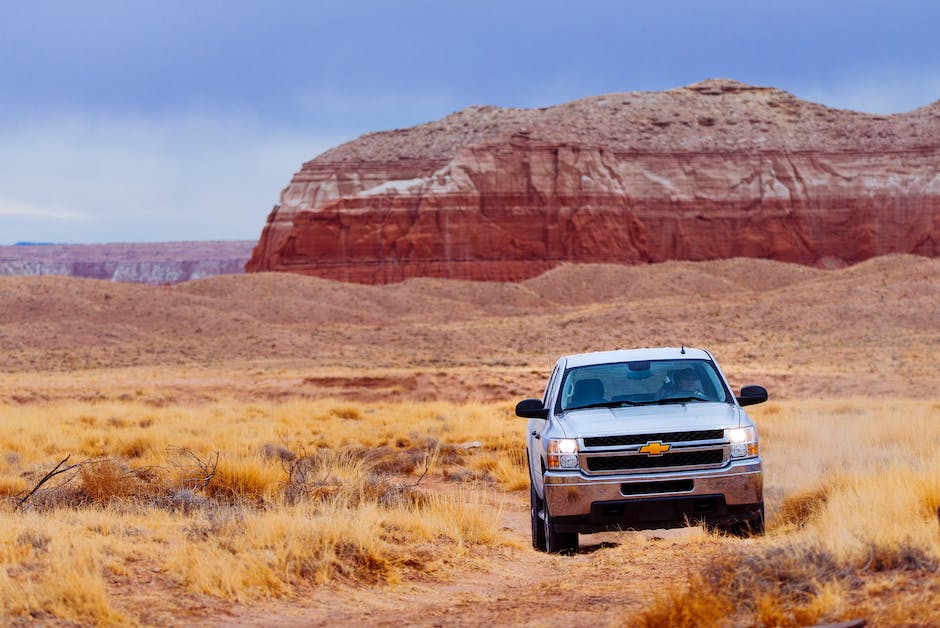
(310,493)
(822,444)
(858,486)
(301,494)
(338,461)
(48,576)
(243,432)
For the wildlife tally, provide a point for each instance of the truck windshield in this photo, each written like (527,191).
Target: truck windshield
(644,382)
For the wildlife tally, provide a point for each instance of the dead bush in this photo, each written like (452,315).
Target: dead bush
(789,572)
(192,472)
(111,480)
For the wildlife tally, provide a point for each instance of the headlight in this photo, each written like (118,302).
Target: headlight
(563,453)
(743,442)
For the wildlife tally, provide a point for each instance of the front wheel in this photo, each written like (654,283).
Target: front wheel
(558,542)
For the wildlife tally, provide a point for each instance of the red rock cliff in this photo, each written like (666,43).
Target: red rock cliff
(713,170)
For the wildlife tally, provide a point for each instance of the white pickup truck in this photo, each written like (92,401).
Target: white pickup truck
(641,439)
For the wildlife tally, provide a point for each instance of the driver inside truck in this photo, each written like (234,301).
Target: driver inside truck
(685,383)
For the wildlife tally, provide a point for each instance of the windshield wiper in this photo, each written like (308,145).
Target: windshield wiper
(604,404)
(677,400)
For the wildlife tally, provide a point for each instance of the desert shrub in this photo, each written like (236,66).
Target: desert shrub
(113,480)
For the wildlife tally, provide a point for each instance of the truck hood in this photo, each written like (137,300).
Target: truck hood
(650,419)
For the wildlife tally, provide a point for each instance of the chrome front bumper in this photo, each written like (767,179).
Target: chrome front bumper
(569,493)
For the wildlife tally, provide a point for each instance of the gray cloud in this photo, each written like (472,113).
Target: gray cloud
(25,210)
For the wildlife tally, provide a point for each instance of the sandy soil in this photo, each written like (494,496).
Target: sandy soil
(868,329)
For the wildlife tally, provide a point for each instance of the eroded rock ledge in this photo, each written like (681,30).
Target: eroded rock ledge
(714,170)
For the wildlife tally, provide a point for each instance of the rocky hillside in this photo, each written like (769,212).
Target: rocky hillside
(869,329)
(714,170)
(151,263)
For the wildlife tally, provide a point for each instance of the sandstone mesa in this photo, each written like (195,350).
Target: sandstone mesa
(714,170)
(154,263)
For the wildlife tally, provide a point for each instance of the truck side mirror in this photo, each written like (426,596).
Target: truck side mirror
(531,409)
(751,395)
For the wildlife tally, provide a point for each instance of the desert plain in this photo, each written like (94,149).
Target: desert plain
(280,449)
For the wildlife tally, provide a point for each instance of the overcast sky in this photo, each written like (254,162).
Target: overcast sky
(138,120)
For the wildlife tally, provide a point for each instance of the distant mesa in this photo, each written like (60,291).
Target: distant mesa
(153,263)
(714,170)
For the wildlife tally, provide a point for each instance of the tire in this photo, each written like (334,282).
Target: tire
(749,527)
(535,507)
(558,542)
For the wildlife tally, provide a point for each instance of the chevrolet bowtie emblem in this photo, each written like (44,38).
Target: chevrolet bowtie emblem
(654,448)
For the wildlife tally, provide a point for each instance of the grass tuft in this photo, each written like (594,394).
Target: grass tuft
(245,478)
(107,480)
(800,508)
(694,604)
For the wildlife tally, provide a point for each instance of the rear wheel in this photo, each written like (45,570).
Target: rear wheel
(558,542)
(535,507)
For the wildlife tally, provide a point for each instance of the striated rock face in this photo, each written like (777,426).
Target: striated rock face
(714,170)
(154,263)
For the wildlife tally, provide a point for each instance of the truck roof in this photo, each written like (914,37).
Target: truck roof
(630,355)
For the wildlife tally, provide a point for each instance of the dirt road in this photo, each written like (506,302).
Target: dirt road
(613,577)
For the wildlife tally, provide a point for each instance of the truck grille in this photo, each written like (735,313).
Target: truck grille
(678,459)
(665,437)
